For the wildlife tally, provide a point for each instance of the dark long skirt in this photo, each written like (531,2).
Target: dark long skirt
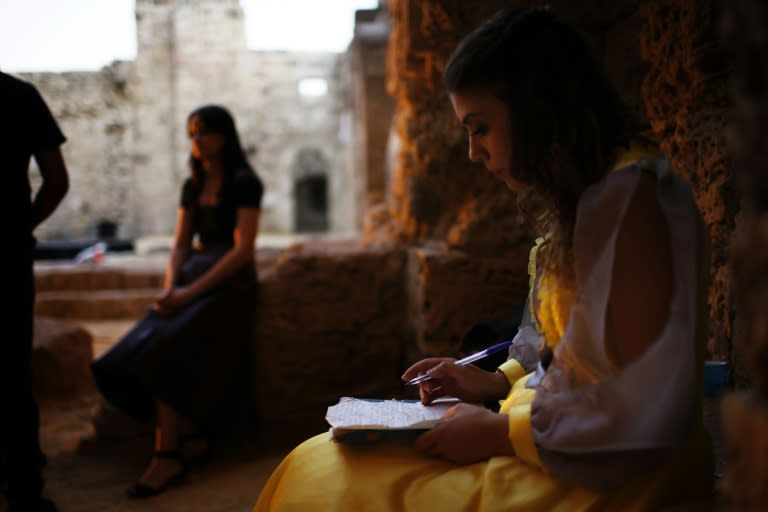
(195,360)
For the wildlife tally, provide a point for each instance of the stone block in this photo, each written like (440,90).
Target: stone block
(450,291)
(746,431)
(61,358)
(143,279)
(100,304)
(331,322)
(69,277)
(91,277)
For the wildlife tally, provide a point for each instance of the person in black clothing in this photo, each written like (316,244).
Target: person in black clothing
(183,363)
(28,130)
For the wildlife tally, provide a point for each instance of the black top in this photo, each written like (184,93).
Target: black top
(215,225)
(27,127)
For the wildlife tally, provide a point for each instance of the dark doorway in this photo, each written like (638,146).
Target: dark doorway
(311,200)
(310,191)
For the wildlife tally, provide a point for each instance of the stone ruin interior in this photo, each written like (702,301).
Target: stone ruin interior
(438,245)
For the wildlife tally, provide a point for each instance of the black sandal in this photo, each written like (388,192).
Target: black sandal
(141,491)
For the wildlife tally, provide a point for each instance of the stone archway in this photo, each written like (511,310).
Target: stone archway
(310,191)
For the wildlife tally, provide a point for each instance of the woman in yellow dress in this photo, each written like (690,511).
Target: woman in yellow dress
(608,418)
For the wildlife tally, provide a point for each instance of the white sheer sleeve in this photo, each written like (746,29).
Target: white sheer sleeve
(595,423)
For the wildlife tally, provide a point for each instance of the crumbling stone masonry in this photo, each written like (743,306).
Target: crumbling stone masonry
(666,61)
(746,413)
(686,98)
(127,147)
(437,197)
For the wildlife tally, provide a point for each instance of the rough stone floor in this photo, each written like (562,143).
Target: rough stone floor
(88,474)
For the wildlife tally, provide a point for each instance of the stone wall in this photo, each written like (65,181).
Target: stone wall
(127,148)
(746,413)
(372,106)
(450,291)
(667,64)
(686,96)
(330,324)
(348,317)
(449,210)
(434,190)
(95,113)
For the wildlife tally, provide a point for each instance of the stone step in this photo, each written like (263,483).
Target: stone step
(62,352)
(129,303)
(96,278)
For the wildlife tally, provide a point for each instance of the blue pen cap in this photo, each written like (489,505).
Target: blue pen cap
(715,378)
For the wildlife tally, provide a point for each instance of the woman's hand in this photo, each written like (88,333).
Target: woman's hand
(467,434)
(466,382)
(172,299)
(157,305)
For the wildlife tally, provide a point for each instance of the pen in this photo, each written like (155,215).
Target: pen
(467,360)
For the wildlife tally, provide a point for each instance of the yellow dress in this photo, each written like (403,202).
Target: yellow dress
(321,475)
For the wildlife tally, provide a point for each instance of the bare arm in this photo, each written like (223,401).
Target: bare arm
(239,255)
(182,243)
(54,187)
(234,259)
(642,284)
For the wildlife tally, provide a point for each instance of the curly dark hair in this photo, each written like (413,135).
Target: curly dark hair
(566,118)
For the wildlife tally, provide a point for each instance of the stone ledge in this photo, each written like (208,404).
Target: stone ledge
(101,304)
(61,356)
(345,317)
(450,291)
(745,423)
(92,278)
(330,323)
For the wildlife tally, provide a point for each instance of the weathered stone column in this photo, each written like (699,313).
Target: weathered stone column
(467,252)
(746,413)
(686,97)
(373,106)
(435,193)
(189,54)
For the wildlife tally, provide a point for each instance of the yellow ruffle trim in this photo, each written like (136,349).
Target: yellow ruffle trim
(518,407)
(521,434)
(512,370)
(637,152)
(554,309)
(552,304)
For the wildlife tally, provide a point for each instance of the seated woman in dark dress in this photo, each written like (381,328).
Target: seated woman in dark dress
(183,362)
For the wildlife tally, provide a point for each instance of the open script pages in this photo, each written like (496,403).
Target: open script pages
(356,419)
